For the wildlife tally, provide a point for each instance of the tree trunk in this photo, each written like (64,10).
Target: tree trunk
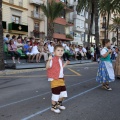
(96,11)
(108,19)
(91,24)
(50,31)
(2,67)
(117,36)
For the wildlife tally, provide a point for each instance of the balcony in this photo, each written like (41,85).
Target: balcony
(69,37)
(78,29)
(39,16)
(36,2)
(18,28)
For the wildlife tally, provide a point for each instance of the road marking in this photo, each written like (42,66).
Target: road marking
(12,103)
(74,72)
(75,96)
(29,76)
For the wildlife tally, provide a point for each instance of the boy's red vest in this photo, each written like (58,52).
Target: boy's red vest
(54,71)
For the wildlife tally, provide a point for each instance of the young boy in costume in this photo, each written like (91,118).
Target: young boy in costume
(55,74)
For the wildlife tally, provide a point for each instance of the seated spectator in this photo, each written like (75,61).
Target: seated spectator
(12,49)
(27,50)
(51,48)
(42,51)
(7,39)
(35,52)
(14,39)
(80,53)
(46,50)
(19,44)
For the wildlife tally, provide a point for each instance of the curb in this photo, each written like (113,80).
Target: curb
(12,72)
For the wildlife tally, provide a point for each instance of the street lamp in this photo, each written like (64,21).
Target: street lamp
(104,26)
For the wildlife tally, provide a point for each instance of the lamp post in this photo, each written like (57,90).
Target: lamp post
(104,26)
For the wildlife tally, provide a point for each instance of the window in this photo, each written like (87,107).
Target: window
(21,3)
(36,26)
(16,19)
(59,29)
(87,15)
(36,9)
(11,1)
(82,24)
(86,25)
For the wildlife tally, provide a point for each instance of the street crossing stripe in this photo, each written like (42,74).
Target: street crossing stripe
(6,105)
(74,71)
(42,111)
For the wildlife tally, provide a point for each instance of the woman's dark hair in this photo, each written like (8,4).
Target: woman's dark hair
(105,41)
(10,42)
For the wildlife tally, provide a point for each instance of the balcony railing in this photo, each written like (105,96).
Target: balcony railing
(78,29)
(36,2)
(17,27)
(36,15)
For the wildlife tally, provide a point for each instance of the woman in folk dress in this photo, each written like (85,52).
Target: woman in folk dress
(105,71)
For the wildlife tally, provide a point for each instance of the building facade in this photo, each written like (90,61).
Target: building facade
(37,22)
(63,24)
(15,17)
(81,25)
(112,35)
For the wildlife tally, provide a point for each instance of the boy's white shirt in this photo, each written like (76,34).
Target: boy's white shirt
(61,75)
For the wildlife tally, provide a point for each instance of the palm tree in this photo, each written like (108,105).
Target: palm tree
(52,11)
(108,9)
(115,26)
(93,6)
(2,67)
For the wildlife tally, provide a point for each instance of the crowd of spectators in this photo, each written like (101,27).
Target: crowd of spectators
(35,49)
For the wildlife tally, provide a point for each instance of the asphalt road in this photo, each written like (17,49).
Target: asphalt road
(27,96)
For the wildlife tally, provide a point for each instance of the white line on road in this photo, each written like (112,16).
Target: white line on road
(12,103)
(44,110)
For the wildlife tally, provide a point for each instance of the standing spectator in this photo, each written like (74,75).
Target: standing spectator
(27,50)
(46,48)
(113,53)
(92,52)
(66,53)
(51,48)
(42,51)
(97,54)
(12,49)
(76,52)
(84,51)
(6,39)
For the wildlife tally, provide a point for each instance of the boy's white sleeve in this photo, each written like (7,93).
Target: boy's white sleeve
(50,63)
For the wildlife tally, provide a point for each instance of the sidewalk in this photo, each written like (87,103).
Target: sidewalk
(22,68)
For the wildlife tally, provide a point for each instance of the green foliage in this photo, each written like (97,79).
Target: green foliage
(52,10)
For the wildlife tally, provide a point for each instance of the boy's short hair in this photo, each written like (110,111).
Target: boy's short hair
(58,46)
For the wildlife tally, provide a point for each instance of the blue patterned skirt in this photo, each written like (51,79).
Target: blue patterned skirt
(105,72)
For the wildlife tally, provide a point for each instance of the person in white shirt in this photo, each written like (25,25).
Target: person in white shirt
(76,52)
(51,48)
(64,44)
